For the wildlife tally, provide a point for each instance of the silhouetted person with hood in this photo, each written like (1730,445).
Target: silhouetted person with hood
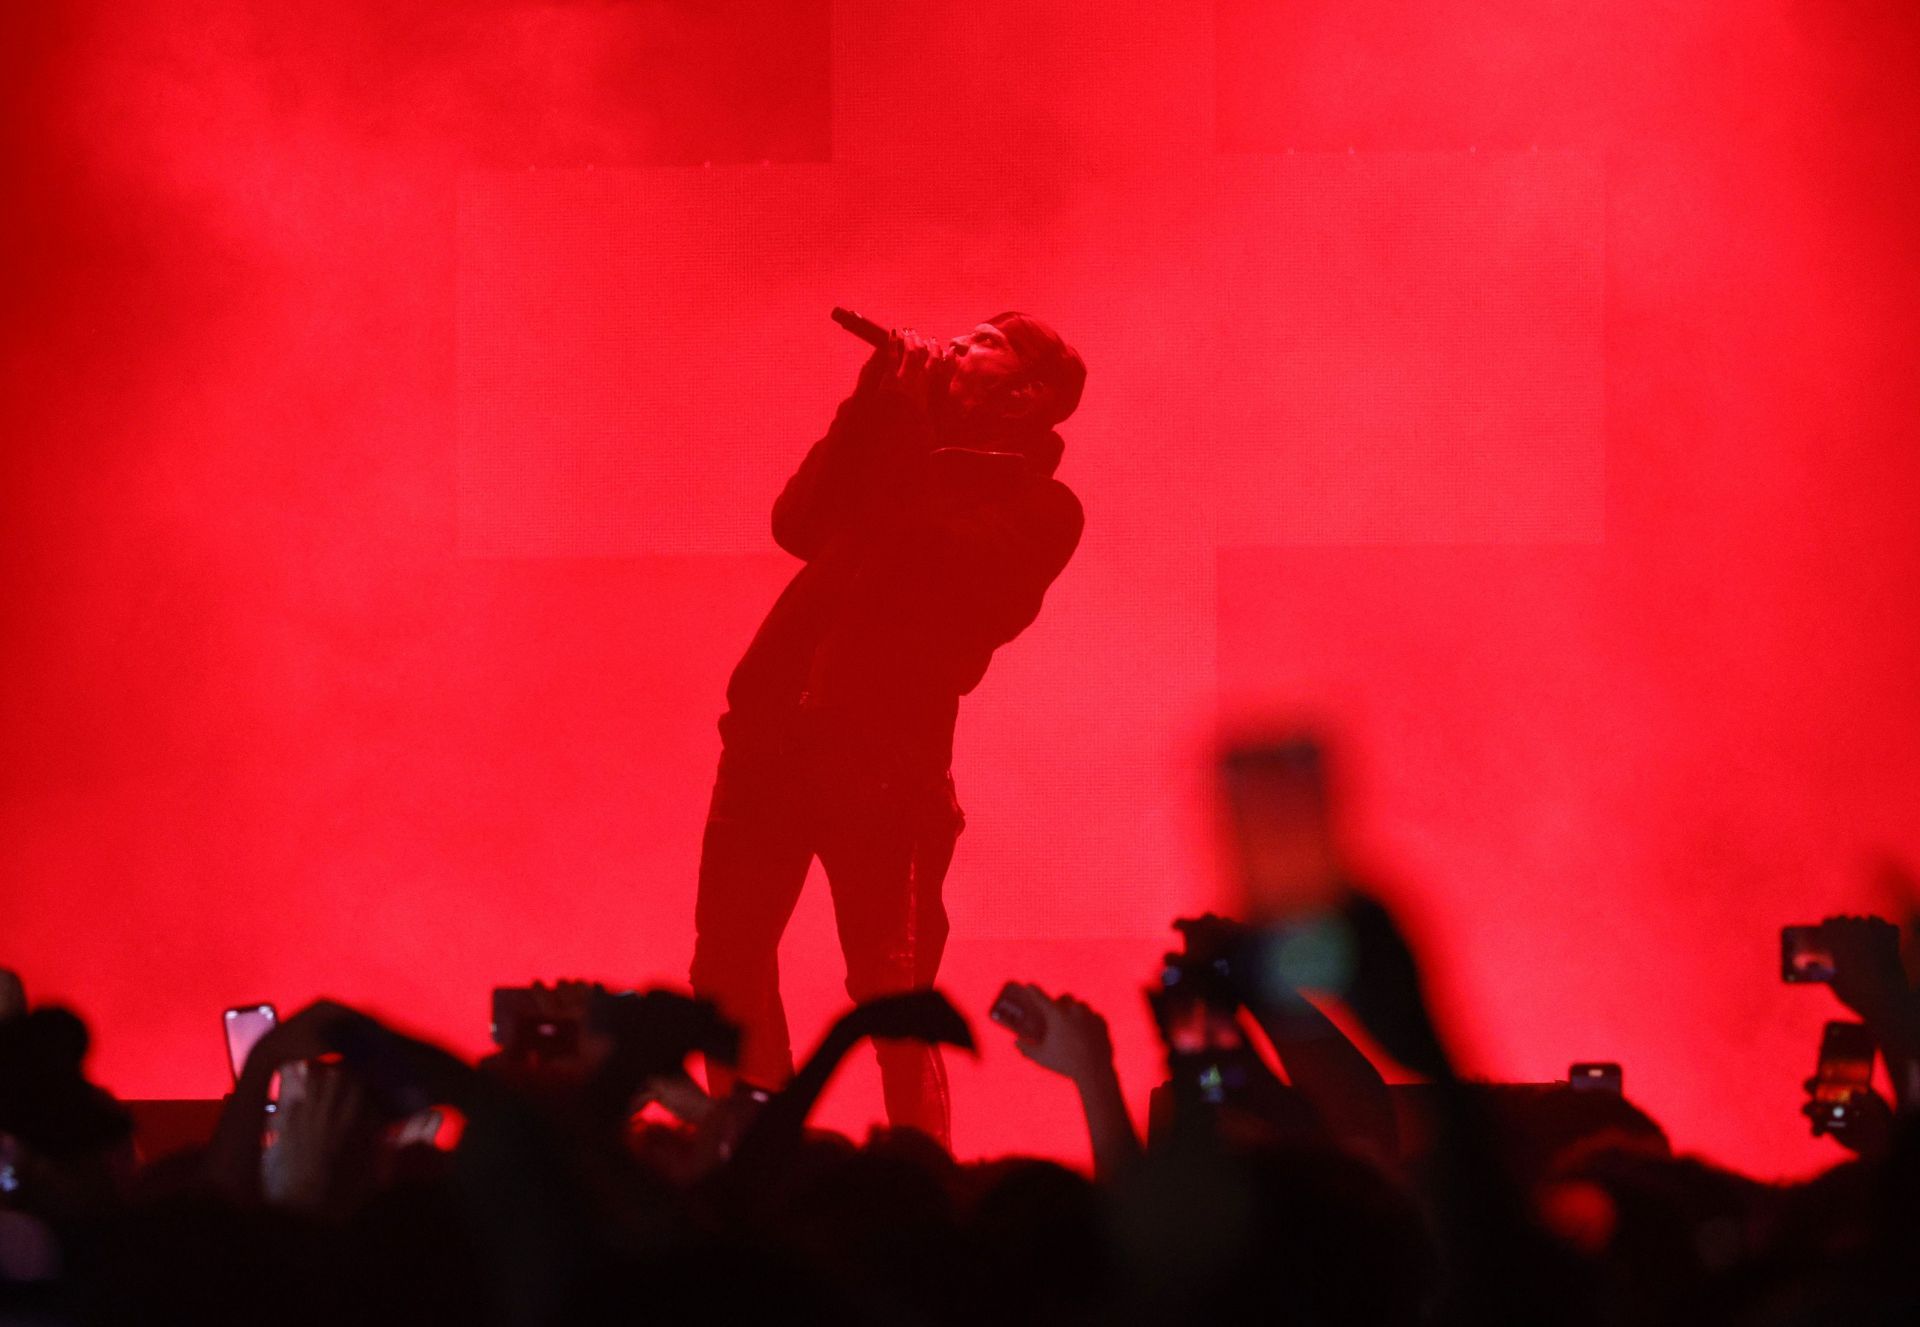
(931,526)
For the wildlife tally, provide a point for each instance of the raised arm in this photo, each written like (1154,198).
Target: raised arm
(1329,1071)
(1070,1038)
(1868,979)
(773,1137)
(884,422)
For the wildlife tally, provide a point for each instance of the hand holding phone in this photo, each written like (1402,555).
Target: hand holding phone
(1060,1033)
(1021,1010)
(1844,1073)
(1804,955)
(1868,976)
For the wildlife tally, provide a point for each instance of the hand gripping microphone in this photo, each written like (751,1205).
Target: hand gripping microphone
(939,372)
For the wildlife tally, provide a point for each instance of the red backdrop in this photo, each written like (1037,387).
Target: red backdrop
(395,393)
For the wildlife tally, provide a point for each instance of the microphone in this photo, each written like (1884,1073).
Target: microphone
(939,373)
(865,328)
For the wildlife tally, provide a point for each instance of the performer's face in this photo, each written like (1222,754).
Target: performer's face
(988,377)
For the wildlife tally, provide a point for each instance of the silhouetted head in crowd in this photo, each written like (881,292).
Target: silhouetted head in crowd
(45,1100)
(1038,1234)
(69,1144)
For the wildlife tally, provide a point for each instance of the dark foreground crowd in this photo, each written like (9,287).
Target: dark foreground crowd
(580,1175)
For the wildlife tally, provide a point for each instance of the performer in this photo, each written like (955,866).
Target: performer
(931,525)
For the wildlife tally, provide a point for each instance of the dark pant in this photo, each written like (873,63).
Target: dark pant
(884,827)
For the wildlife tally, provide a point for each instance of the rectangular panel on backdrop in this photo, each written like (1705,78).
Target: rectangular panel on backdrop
(1410,348)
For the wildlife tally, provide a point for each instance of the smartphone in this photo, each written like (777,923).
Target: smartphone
(1804,955)
(1204,1043)
(1196,1014)
(1279,824)
(245,1025)
(1594,1076)
(1846,1061)
(1845,1071)
(1012,1015)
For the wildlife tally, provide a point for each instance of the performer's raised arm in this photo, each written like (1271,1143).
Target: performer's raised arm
(843,474)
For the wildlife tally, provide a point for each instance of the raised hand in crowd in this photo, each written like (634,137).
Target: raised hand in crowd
(1867,975)
(1059,1033)
(1070,1038)
(1505,1268)
(233,1158)
(1863,1122)
(1344,1087)
(404,1076)
(325,1154)
(771,1137)
(1869,979)
(677,1093)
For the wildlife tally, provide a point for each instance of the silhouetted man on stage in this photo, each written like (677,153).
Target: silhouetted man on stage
(931,525)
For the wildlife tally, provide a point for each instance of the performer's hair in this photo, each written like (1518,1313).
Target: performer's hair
(1050,361)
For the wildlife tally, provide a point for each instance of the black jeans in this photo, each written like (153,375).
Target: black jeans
(883,824)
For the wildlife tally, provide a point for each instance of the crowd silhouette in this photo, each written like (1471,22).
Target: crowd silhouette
(1276,1177)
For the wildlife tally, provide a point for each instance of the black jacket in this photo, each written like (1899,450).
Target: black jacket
(921,561)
